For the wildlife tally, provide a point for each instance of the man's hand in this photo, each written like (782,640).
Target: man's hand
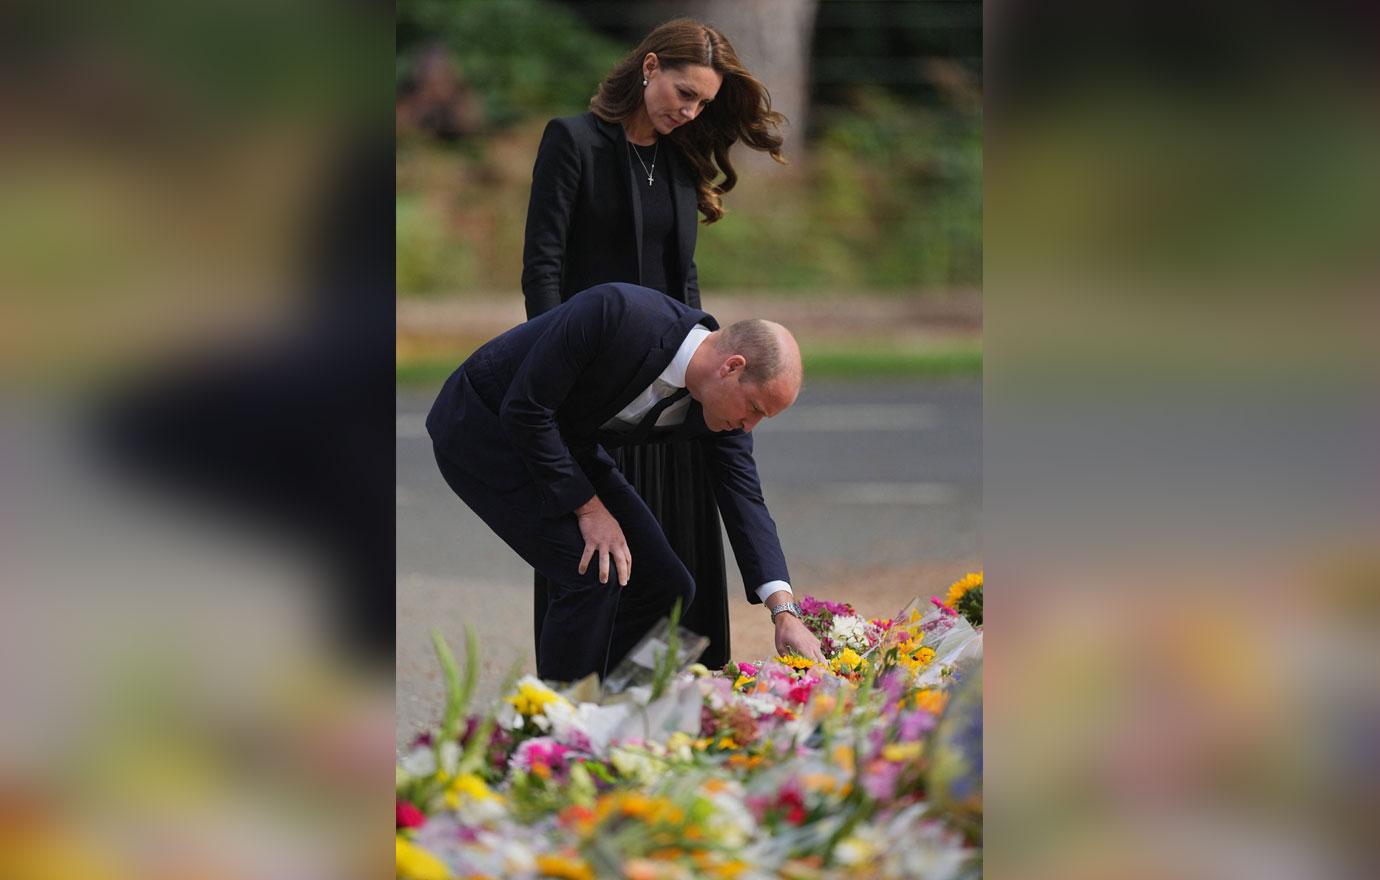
(603,536)
(793,635)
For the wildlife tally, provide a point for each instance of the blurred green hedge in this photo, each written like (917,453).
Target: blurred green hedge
(523,57)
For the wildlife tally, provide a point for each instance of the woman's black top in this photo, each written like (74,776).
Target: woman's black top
(658,217)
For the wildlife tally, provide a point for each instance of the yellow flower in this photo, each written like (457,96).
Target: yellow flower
(795,661)
(899,752)
(924,656)
(970,581)
(533,697)
(742,680)
(843,757)
(822,704)
(727,742)
(564,868)
(847,659)
(415,863)
(467,785)
(679,743)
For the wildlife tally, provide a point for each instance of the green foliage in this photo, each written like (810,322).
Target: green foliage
(428,257)
(668,664)
(888,197)
(970,606)
(524,57)
(892,200)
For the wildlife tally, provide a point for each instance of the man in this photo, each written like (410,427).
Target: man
(521,431)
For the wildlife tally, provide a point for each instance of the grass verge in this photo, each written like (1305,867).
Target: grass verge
(837,362)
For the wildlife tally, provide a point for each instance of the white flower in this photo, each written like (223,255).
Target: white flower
(420,762)
(730,823)
(849,631)
(637,763)
(860,847)
(450,756)
(759,704)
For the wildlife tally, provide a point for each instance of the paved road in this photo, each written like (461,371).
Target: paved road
(857,475)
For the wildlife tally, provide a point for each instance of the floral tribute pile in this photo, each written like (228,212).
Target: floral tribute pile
(869,765)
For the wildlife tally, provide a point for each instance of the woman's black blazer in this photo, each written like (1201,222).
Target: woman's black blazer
(584,220)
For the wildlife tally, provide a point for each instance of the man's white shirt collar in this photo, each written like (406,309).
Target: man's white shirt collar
(674,374)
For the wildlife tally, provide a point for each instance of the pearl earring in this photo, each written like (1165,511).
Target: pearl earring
(644,81)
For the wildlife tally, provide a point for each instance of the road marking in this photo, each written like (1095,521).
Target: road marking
(856,417)
(894,494)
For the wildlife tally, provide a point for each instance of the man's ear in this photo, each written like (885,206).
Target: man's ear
(734,364)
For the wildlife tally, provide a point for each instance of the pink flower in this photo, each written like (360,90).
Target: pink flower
(540,750)
(747,669)
(408,815)
(879,780)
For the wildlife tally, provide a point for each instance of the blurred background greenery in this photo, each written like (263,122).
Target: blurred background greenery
(883,193)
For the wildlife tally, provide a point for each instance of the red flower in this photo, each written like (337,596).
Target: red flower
(408,815)
(792,799)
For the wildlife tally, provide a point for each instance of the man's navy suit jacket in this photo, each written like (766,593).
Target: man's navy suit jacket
(525,412)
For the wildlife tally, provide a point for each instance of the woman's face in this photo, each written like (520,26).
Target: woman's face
(676,96)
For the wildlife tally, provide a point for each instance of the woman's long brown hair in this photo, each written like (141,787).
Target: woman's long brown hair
(740,112)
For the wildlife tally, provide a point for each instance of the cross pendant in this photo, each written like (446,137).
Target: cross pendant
(649,180)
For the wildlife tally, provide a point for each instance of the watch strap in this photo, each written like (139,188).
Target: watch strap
(786,608)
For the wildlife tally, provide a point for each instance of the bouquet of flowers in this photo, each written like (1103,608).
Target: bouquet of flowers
(777,768)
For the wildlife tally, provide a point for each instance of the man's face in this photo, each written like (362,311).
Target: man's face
(729,403)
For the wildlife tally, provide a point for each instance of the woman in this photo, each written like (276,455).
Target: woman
(614,197)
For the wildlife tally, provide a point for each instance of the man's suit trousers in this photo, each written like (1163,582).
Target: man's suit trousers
(588,626)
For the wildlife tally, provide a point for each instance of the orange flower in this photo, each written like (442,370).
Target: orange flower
(931,701)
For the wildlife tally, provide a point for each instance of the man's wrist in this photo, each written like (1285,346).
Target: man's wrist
(589,506)
(778,597)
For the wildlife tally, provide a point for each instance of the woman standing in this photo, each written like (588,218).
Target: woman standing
(615,192)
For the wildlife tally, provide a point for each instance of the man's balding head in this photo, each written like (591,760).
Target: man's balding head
(745,372)
(770,350)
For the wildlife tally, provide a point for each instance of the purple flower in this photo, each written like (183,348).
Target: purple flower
(914,725)
(893,684)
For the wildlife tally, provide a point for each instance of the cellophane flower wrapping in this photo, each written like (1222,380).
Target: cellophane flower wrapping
(868,765)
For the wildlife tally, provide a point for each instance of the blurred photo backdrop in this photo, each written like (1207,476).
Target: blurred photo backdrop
(196,382)
(867,244)
(1182,501)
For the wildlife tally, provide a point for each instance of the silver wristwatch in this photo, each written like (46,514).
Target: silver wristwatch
(787,608)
